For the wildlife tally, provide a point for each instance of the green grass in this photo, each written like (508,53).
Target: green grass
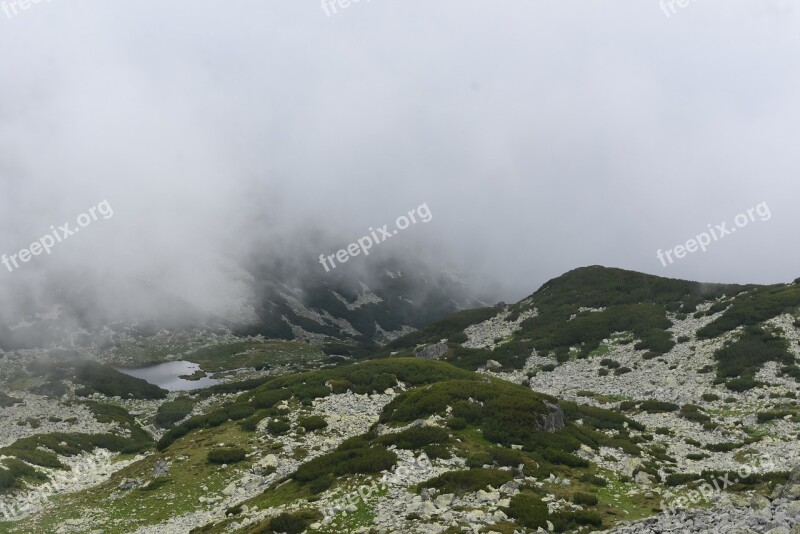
(253,354)
(43,449)
(124,512)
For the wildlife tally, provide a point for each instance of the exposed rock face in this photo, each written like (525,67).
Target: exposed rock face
(757,514)
(493,365)
(161,469)
(554,420)
(432,352)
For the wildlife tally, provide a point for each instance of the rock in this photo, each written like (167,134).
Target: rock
(793,509)
(643,479)
(161,469)
(488,496)
(791,492)
(794,476)
(269,460)
(759,502)
(444,501)
(554,420)
(431,352)
(493,365)
(129,484)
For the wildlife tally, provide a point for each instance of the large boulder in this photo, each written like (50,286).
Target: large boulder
(554,420)
(431,352)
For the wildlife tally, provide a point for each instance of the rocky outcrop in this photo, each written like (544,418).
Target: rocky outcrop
(431,352)
(554,420)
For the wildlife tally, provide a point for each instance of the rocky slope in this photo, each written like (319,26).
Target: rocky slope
(606,401)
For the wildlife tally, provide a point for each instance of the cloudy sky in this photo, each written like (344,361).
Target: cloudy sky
(542,135)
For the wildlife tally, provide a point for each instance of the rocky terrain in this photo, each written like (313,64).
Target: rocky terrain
(607,401)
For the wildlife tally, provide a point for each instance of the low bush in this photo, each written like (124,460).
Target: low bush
(276,427)
(416,438)
(469,481)
(584,499)
(529,511)
(226,455)
(171,412)
(312,423)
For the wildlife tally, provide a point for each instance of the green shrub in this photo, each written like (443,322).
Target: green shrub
(171,412)
(745,383)
(226,455)
(457,423)
(679,479)
(458,337)
(507,457)
(471,412)
(556,456)
(622,371)
(757,306)
(584,499)
(276,427)
(739,361)
(765,417)
(469,481)
(435,452)
(315,422)
(655,406)
(321,484)
(353,456)
(479,459)
(594,480)
(568,521)
(528,510)
(416,437)
(292,523)
(692,412)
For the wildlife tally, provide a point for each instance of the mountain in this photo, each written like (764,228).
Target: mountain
(606,400)
(388,298)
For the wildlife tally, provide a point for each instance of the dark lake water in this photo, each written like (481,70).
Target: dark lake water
(167,375)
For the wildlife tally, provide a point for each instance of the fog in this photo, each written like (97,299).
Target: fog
(543,136)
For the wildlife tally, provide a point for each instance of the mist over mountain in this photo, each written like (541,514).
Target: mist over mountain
(357,266)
